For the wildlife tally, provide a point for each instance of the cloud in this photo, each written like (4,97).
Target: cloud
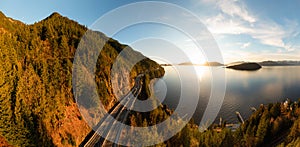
(235,8)
(234,18)
(221,24)
(246,45)
(269,33)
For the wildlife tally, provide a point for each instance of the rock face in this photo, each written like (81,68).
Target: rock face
(245,66)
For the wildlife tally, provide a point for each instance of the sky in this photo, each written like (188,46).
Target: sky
(244,30)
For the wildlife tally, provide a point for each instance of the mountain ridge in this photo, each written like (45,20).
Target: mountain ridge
(36,86)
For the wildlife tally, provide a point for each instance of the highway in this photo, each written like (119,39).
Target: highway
(120,111)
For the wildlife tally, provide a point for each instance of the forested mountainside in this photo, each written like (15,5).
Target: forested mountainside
(36,97)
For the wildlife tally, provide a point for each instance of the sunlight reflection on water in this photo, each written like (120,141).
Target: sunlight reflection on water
(245,89)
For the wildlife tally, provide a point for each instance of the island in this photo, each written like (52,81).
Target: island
(245,66)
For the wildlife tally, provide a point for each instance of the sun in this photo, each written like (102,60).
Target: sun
(202,61)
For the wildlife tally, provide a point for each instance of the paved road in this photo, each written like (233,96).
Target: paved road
(107,126)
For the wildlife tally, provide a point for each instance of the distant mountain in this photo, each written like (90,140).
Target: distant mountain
(213,64)
(186,63)
(245,66)
(280,63)
(235,63)
(204,64)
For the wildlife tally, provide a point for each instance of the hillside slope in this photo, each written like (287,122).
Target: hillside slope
(36,96)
